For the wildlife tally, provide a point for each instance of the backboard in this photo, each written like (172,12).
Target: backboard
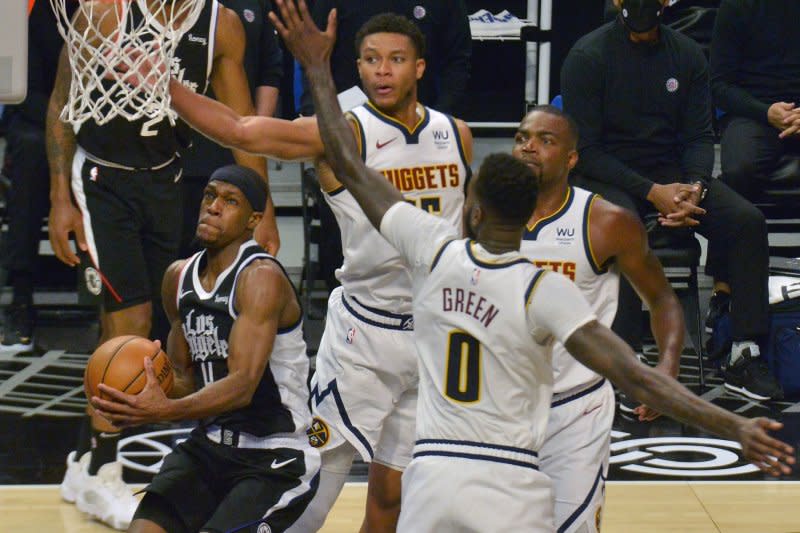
(13,50)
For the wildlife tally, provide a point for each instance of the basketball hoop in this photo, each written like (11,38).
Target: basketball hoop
(100,38)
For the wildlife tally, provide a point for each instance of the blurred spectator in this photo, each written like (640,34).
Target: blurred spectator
(27,200)
(755,80)
(448,46)
(263,65)
(640,95)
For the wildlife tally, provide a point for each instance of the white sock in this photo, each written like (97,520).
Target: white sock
(335,468)
(738,348)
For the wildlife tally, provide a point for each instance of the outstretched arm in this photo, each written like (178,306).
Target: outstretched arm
(619,234)
(281,139)
(312,48)
(600,349)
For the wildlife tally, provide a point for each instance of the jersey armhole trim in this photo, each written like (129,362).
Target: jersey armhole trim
(587,241)
(361,140)
(459,142)
(439,253)
(532,286)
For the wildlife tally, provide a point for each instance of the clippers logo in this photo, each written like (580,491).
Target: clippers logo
(476,275)
(249,16)
(419,12)
(318,433)
(94,284)
(351,335)
(672,85)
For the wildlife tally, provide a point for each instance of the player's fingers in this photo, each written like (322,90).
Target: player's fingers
(277,24)
(766,445)
(769,424)
(56,241)
(330,29)
(302,8)
(149,371)
(649,415)
(292,17)
(112,393)
(67,255)
(282,9)
(788,132)
(80,235)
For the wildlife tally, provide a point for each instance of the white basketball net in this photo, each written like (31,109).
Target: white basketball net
(99,40)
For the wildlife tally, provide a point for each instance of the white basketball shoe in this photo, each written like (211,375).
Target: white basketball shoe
(75,477)
(107,498)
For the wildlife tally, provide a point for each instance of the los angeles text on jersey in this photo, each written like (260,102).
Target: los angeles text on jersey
(470,303)
(565,268)
(424,177)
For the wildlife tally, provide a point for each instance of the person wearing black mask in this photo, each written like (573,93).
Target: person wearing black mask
(639,92)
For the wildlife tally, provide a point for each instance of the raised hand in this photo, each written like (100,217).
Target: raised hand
(305,41)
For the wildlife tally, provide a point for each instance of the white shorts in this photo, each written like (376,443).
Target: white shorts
(575,455)
(462,495)
(365,387)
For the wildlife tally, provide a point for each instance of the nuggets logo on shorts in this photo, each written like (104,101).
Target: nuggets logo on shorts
(263,527)
(318,433)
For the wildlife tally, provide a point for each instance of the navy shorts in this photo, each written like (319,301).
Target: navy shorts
(220,488)
(132,220)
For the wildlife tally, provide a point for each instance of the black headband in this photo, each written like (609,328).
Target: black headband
(246,180)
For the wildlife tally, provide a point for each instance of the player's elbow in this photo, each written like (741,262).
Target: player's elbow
(245,386)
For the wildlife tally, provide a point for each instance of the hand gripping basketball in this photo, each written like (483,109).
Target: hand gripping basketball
(119,363)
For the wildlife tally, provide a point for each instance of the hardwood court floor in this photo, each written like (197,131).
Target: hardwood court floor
(632,507)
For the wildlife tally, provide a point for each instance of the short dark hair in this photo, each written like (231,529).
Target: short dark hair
(572,126)
(507,187)
(392,23)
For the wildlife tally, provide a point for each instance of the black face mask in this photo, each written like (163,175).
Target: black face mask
(641,16)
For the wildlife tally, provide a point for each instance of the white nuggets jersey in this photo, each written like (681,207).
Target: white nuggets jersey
(560,242)
(484,324)
(427,164)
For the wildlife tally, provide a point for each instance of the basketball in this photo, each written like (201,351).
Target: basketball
(119,363)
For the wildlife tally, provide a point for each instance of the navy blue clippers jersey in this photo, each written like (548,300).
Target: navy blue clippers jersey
(279,404)
(147,143)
